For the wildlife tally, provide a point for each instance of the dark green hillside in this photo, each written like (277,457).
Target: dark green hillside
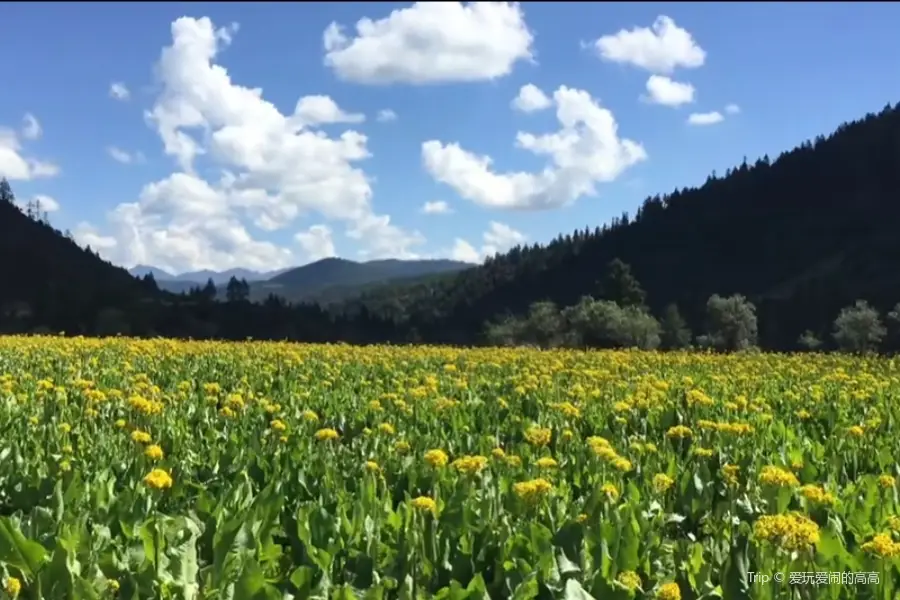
(803,236)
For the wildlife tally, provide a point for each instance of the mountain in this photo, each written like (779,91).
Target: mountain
(201,277)
(327,281)
(158,274)
(801,236)
(52,283)
(332,279)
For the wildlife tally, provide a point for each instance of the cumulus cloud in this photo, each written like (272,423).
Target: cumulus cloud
(317,242)
(668,92)
(123,156)
(118,91)
(660,48)
(386,115)
(531,99)
(15,165)
(708,118)
(31,128)
(431,42)
(41,202)
(272,168)
(498,238)
(438,207)
(732,109)
(585,151)
(321,110)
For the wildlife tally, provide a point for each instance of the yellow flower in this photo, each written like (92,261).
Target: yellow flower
(778,477)
(470,464)
(703,452)
(886,481)
(894,523)
(326,434)
(13,586)
(402,447)
(153,452)
(882,546)
(436,458)
(386,428)
(141,437)
(669,591)
(514,461)
(611,491)
(856,431)
(791,532)
(120,423)
(372,466)
(532,491)
(65,427)
(310,416)
(679,432)
(816,495)
(581,518)
(158,479)
(662,482)
(621,464)
(629,579)
(424,503)
(113,585)
(730,474)
(538,436)
(498,453)
(277,425)
(546,462)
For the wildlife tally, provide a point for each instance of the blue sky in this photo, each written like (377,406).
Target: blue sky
(355,127)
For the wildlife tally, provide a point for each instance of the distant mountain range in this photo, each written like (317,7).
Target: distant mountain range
(218,277)
(327,280)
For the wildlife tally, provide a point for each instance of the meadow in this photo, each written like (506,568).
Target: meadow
(164,469)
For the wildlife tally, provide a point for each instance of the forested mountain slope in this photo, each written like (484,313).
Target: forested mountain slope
(802,236)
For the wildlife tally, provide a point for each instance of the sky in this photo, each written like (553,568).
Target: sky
(266,135)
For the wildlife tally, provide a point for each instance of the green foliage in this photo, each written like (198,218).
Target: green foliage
(674,332)
(858,328)
(730,323)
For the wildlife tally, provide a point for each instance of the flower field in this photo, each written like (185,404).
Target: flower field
(163,469)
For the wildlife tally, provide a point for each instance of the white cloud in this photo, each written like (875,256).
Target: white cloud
(118,91)
(125,157)
(16,166)
(273,168)
(732,109)
(46,203)
(531,99)
(438,207)
(660,48)
(31,128)
(322,110)
(668,92)
(317,242)
(498,238)
(43,203)
(709,118)
(585,151)
(431,42)
(386,115)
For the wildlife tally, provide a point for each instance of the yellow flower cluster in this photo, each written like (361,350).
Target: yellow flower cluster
(882,546)
(538,436)
(777,477)
(791,532)
(436,458)
(158,479)
(470,464)
(532,491)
